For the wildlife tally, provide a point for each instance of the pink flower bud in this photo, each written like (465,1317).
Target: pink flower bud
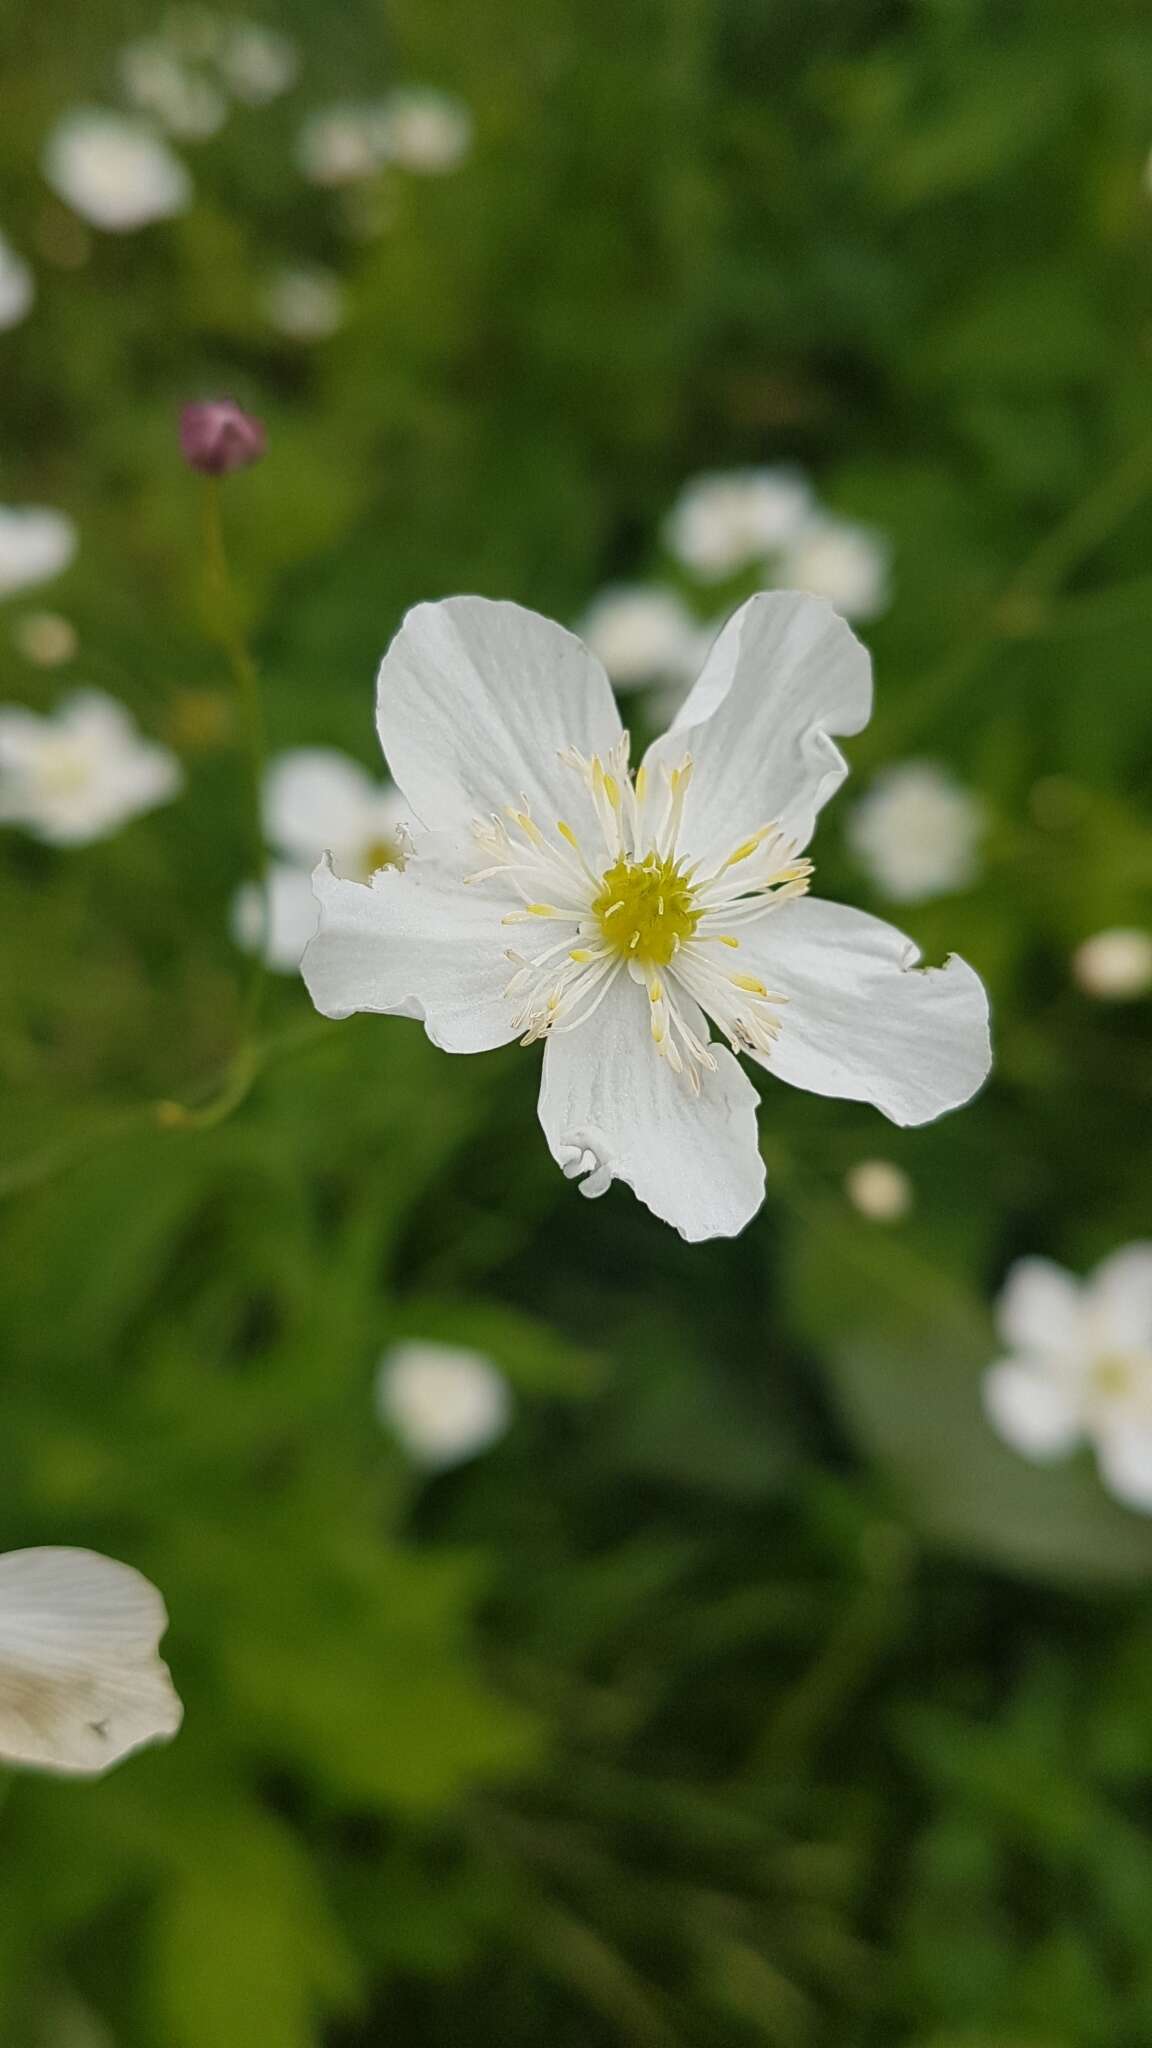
(217,436)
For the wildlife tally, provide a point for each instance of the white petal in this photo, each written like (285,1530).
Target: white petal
(313,798)
(444,1401)
(415,942)
(477,700)
(612,1107)
(1041,1309)
(80,1681)
(862,1020)
(784,675)
(1120,1299)
(1125,1457)
(292,920)
(1033,1410)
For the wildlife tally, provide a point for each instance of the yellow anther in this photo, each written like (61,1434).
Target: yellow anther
(749,982)
(726,939)
(641,782)
(612,791)
(541,910)
(567,833)
(746,849)
(582,954)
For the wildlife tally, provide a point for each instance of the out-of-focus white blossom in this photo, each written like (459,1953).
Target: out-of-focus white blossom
(114,170)
(1115,966)
(36,543)
(45,639)
(842,561)
(424,131)
(81,1681)
(17,286)
(306,305)
(159,83)
(730,519)
(643,633)
(879,1189)
(444,1402)
(1078,1367)
(916,832)
(339,145)
(82,773)
(316,801)
(256,62)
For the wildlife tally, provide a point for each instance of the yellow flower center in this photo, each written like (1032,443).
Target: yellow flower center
(644,909)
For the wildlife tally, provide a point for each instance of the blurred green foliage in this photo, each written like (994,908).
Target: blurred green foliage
(749,1692)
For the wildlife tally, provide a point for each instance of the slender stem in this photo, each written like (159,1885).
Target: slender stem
(1021,608)
(225,1095)
(223,620)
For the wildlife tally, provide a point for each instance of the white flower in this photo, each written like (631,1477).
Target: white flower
(45,639)
(916,832)
(1079,1367)
(114,171)
(158,82)
(839,560)
(316,801)
(80,774)
(307,305)
(36,543)
(17,286)
(643,907)
(258,63)
(1115,966)
(81,1684)
(443,1401)
(643,633)
(423,131)
(731,519)
(879,1189)
(339,145)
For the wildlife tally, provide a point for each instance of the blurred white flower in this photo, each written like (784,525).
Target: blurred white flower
(879,1189)
(1079,1367)
(17,286)
(1115,966)
(553,894)
(257,63)
(916,832)
(643,633)
(423,130)
(339,145)
(45,639)
(36,543)
(80,774)
(81,1683)
(444,1402)
(840,560)
(158,82)
(306,305)
(730,519)
(316,801)
(114,170)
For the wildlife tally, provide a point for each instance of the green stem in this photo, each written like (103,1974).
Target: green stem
(223,621)
(1022,605)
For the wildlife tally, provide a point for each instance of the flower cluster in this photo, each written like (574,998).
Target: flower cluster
(413,128)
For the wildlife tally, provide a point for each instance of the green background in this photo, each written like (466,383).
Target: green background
(749,1692)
